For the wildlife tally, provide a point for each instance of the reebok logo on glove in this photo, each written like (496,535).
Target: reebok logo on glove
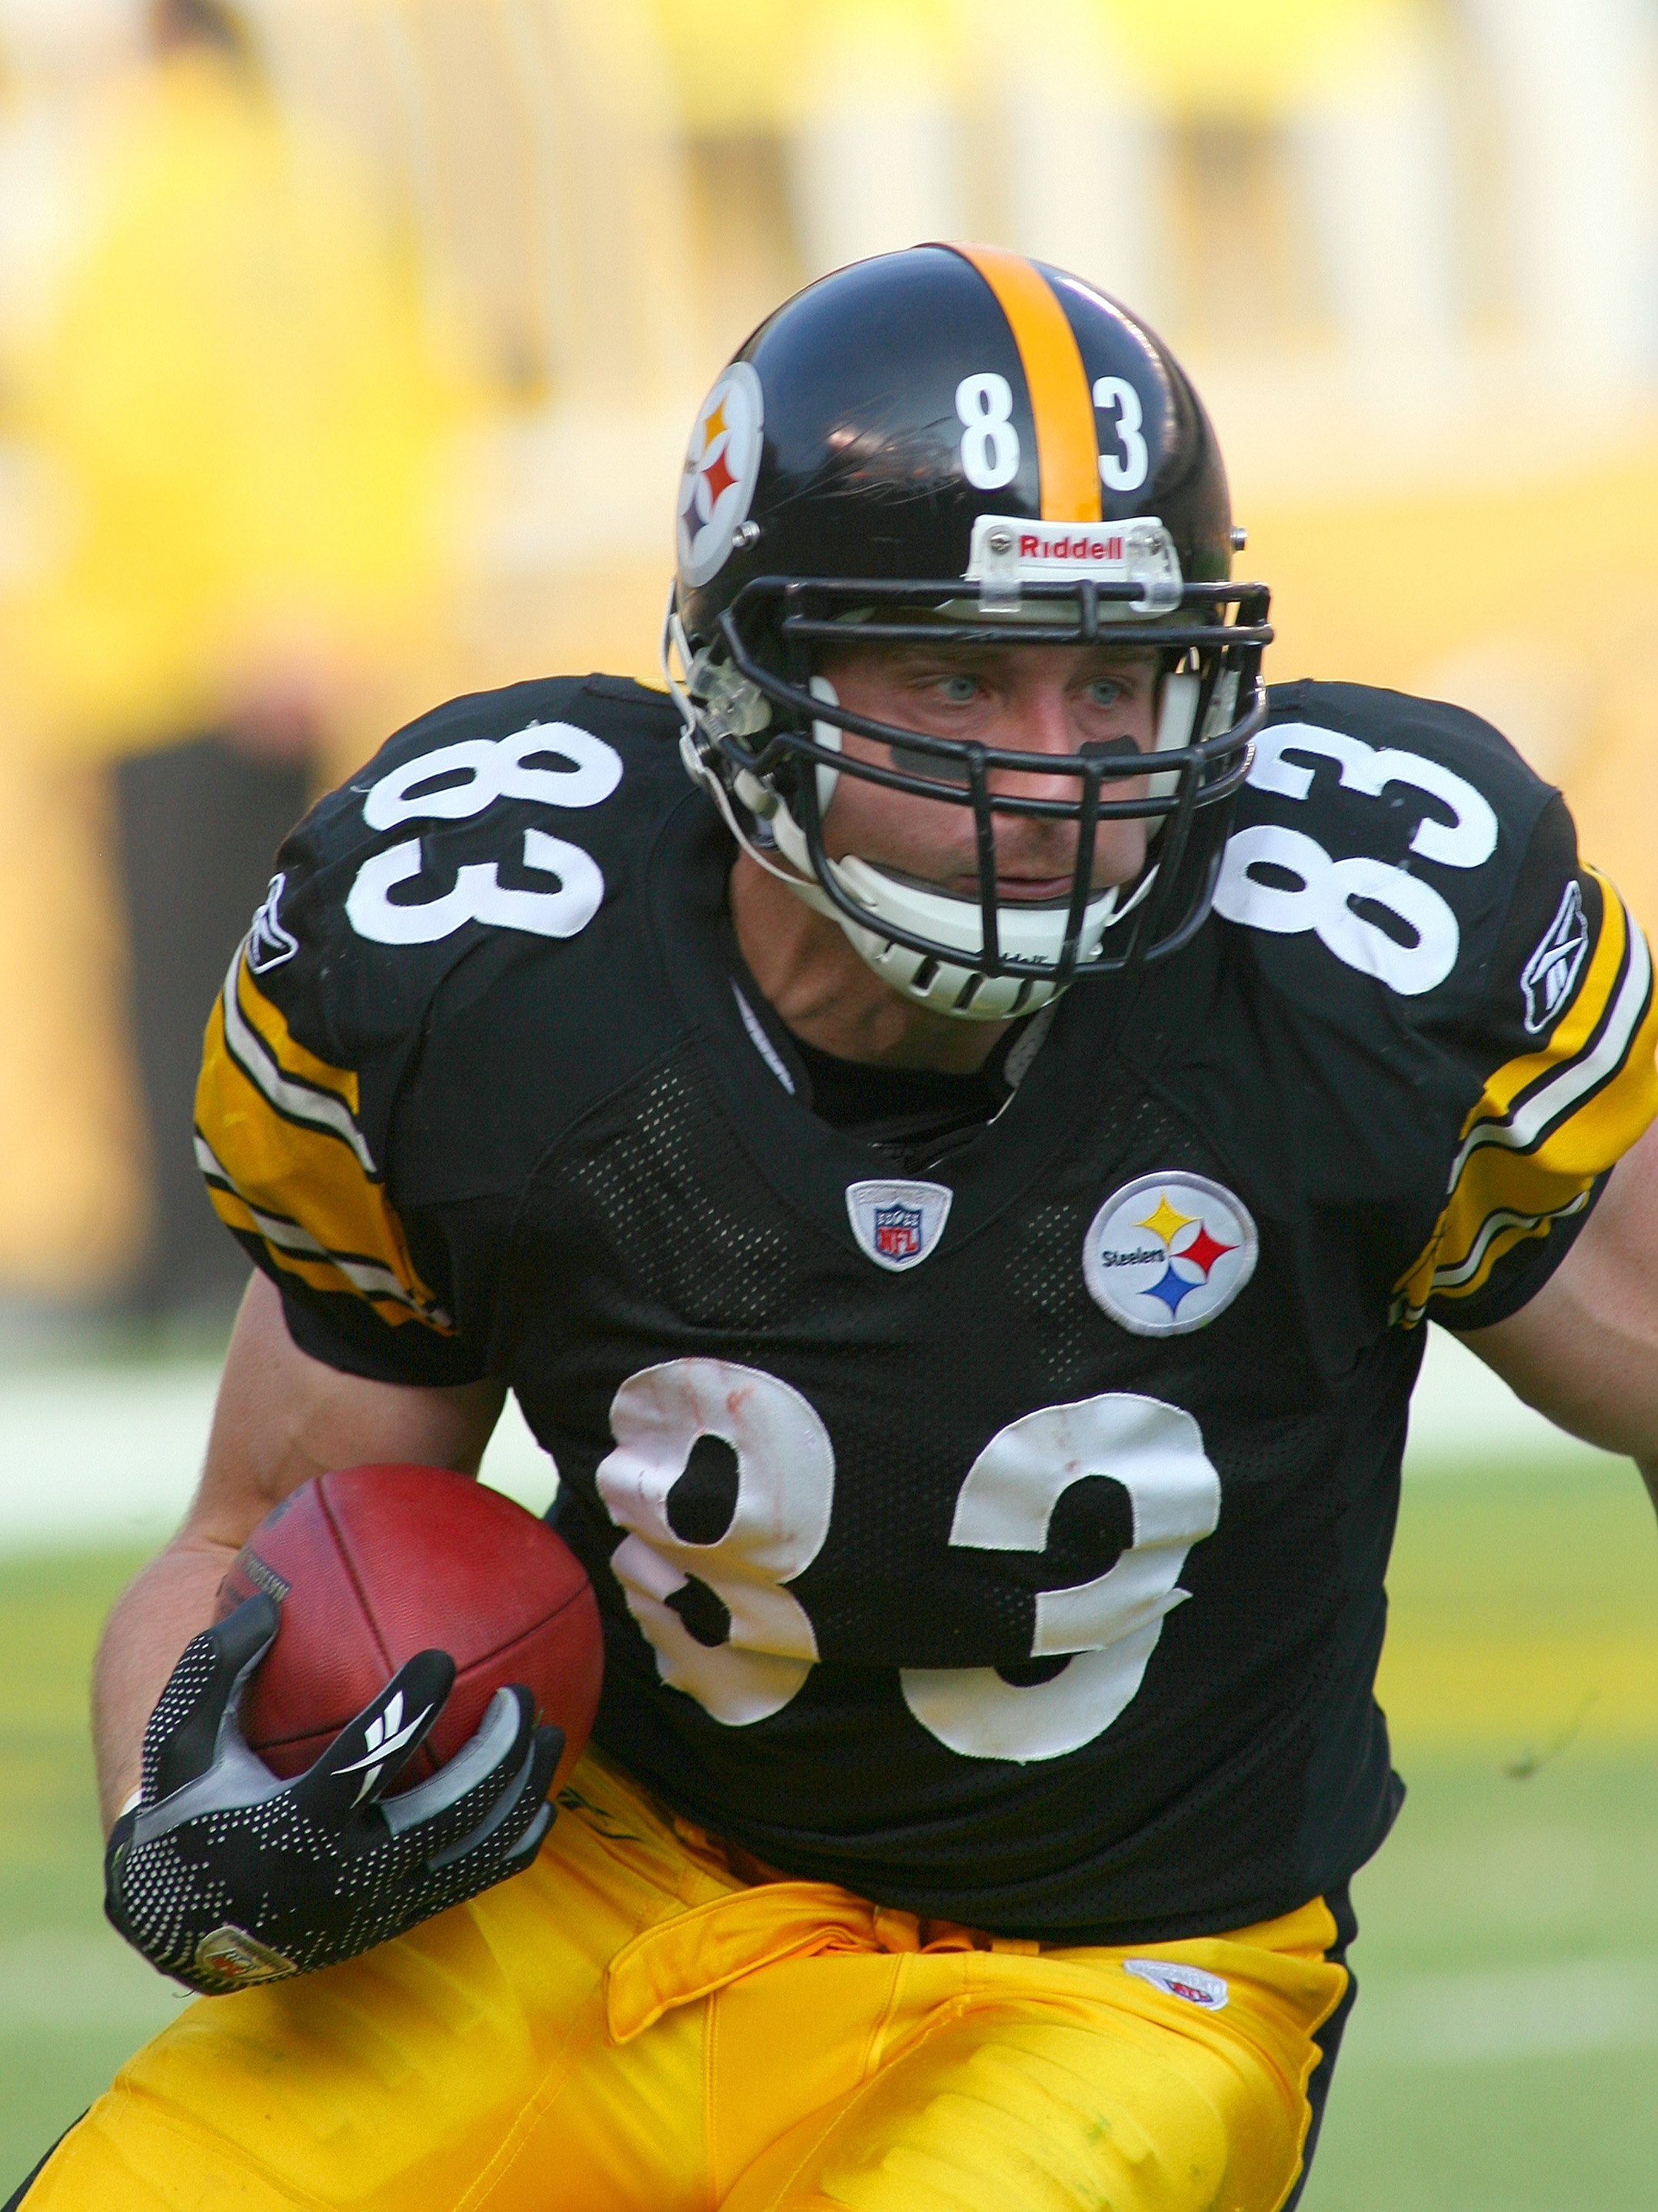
(223,1875)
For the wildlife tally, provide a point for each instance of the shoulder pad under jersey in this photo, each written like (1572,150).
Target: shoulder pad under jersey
(489,833)
(507,815)
(1379,835)
(1411,892)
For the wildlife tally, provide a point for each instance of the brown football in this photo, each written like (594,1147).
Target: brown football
(371,1564)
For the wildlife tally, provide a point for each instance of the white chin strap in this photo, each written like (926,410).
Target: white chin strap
(1036,935)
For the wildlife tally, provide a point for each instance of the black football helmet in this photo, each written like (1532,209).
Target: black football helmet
(956,444)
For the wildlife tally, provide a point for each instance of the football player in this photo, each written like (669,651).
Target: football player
(951,1122)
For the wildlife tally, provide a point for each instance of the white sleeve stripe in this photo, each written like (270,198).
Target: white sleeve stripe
(1447,1279)
(368,1276)
(1529,1122)
(211,1166)
(297,1100)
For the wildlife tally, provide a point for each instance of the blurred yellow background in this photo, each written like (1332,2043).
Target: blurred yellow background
(347,348)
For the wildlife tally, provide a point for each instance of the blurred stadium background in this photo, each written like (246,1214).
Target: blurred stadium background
(346,352)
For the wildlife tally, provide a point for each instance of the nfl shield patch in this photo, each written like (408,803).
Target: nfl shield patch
(1193,1985)
(898,1223)
(898,1231)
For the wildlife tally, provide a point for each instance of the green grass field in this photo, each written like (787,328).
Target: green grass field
(1502,2049)
(1503,2052)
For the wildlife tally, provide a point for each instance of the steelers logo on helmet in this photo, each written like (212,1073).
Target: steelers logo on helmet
(1166,1253)
(722,467)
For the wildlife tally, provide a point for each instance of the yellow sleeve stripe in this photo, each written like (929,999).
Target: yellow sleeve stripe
(1582,1104)
(1575,1028)
(1522,1127)
(1498,1233)
(288,1240)
(1066,439)
(1505,1230)
(1502,1191)
(300,1186)
(319,1275)
(303,1087)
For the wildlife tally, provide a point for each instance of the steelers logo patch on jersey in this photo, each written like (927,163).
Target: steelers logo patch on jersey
(1167,1253)
(722,467)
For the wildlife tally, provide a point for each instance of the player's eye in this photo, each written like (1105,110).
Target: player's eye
(956,691)
(1106,691)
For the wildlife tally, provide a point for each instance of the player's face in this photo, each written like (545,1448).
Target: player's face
(1046,701)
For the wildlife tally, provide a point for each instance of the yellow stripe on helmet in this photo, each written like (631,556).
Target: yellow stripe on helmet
(1067,442)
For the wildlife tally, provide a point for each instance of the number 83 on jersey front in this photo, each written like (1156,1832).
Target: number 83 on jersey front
(743,1541)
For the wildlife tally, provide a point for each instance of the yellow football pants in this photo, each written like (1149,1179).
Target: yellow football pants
(628,2026)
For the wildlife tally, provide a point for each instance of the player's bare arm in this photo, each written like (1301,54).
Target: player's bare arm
(281,1419)
(1585,1350)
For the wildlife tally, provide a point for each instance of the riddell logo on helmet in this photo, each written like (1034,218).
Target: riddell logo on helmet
(1043,551)
(1093,550)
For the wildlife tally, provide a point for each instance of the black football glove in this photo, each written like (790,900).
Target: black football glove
(222,1875)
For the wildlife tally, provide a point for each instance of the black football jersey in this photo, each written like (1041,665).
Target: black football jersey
(999,1531)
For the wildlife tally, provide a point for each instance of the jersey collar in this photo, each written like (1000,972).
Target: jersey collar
(809,1164)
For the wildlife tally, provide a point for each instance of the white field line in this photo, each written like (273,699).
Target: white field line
(111,1455)
(1506,2014)
(1462,1412)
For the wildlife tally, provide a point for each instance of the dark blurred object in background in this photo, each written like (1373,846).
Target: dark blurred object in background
(198,822)
(198,825)
(174,23)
